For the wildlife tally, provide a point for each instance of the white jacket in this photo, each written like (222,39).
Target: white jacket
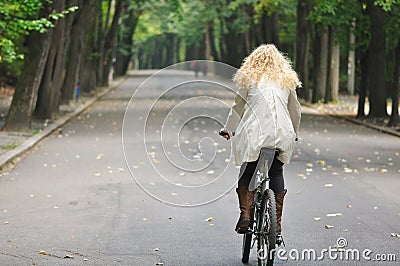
(264,116)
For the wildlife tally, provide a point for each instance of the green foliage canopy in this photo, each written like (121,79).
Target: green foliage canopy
(17,19)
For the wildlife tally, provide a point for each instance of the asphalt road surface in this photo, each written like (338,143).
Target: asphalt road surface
(146,180)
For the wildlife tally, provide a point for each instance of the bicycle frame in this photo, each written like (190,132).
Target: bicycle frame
(263,223)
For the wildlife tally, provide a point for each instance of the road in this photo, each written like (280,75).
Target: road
(162,193)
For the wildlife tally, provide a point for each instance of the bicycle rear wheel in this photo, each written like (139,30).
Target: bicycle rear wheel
(247,238)
(266,238)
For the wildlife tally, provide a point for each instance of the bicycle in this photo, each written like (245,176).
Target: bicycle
(263,222)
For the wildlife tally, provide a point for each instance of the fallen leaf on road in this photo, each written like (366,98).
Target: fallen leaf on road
(5,222)
(328,185)
(309,165)
(328,226)
(99,156)
(317,218)
(334,214)
(211,172)
(97,174)
(68,257)
(42,252)
(348,170)
(300,175)
(209,219)
(348,206)
(156,249)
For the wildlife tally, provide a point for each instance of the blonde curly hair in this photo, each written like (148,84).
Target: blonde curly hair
(267,62)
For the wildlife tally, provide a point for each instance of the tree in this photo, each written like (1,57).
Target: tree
(376,61)
(302,44)
(394,117)
(332,86)
(76,46)
(125,41)
(19,117)
(320,63)
(110,44)
(49,94)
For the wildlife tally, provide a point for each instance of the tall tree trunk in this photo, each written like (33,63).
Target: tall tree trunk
(101,24)
(214,52)
(363,84)
(79,28)
(111,43)
(320,57)
(351,61)
(376,62)
(271,28)
(19,117)
(90,61)
(20,113)
(49,93)
(302,46)
(124,53)
(332,88)
(394,116)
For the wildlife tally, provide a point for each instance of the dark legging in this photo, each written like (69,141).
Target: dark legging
(276,183)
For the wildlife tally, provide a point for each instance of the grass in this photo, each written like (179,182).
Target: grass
(9,147)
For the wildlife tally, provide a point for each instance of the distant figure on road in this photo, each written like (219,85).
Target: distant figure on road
(77,90)
(195,66)
(265,113)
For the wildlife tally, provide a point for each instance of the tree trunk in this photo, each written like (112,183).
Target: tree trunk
(332,88)
(90,61)
(271,28)
(302,46)
(111,43)
(394,116)
(214,52)
(320,57)
(48,101)
(363,84)
(351,61)
(76,49)
(19,116)
(124,54)
(376,62)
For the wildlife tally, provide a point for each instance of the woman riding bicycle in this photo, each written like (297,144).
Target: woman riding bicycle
(265,113)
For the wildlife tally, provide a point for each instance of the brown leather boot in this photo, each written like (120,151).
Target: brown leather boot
(279,208)
(246,205)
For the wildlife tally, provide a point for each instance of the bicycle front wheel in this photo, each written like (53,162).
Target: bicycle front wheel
(266,237)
